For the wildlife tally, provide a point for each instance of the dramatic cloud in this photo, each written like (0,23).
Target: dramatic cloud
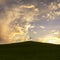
(21,20)
(17,13)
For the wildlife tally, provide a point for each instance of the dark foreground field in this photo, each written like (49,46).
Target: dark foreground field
(29,51)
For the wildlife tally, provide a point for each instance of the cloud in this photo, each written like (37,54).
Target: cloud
(51,11)
(20,12)
(53,38)
(17,15)
(42,27)
(53,6)
(2,1)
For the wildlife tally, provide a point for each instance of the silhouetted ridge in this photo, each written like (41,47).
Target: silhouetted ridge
(29,42)
(30,51)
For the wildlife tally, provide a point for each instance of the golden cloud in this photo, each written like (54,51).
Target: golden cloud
(53,6)
(2,1)
(7,32)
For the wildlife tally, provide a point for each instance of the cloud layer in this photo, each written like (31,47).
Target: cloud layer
(23,20)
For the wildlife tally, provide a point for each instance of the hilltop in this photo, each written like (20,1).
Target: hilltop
(29,51)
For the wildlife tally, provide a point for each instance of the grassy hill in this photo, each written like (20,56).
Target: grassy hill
(29,51)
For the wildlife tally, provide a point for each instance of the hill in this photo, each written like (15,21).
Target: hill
(29,51)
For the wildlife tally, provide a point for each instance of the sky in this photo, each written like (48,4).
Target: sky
(30,20)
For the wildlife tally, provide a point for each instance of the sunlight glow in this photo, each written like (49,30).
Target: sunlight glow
(50,39)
